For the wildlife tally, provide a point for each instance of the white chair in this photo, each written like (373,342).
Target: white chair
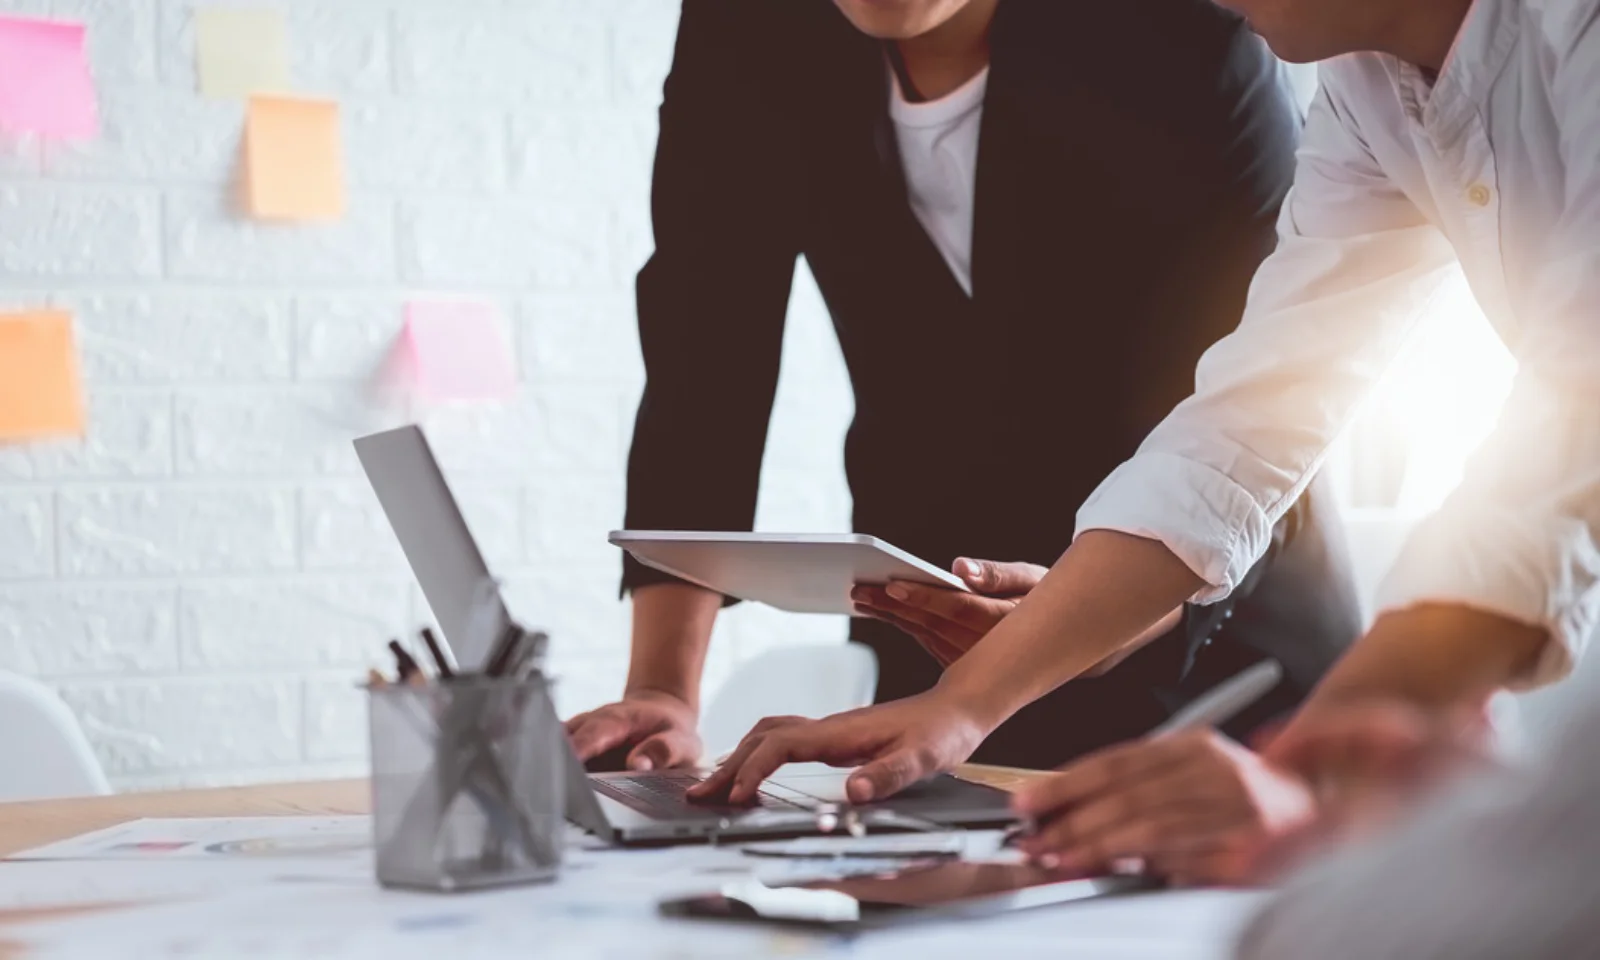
(43,752)
(808,681)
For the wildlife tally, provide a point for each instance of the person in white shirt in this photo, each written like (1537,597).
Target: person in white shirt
(1445,132)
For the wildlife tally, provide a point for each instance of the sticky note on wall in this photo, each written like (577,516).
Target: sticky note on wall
(240,51)
(45,86)
(40,391)
(455,351)
(294,160)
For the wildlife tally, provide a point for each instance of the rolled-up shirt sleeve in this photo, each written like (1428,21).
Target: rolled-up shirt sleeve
(1356,266)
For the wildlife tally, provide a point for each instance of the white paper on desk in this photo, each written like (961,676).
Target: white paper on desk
(44,884)
(545,921)
(217,839)
(1184,925)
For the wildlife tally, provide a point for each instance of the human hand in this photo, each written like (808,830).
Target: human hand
(894,744)
(1195,807)
(1370,761)
(660,727)
(947,623)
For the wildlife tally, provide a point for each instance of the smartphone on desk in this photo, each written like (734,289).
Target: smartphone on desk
(921,892)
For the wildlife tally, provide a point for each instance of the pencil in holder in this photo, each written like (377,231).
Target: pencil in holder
(467,783)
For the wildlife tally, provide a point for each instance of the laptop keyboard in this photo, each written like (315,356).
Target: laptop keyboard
(664,795)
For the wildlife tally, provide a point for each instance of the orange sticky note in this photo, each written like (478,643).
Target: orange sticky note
(40,392)
(294,163)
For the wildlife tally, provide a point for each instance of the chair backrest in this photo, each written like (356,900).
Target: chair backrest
(43,752)
(801,681)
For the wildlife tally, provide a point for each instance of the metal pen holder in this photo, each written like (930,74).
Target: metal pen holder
(467,783)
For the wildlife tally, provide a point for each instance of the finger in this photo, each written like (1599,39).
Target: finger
(836,741)
(889,775)
(999,579)
(871,597)
(1176,830)
(792,745)
(934,606)
(663,752)
(721,779)
(945,649)
(767,724)
(716,785)
(1100,772)
(1161,832)
(1143,799)
(599,734)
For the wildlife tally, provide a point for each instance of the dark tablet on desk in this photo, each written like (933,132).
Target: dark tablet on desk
(919,893)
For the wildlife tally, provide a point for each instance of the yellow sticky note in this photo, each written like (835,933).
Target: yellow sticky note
(293,159)
(240,51)
(40,392)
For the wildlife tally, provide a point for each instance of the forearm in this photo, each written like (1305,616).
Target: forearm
(671,633)
(1106,591)
(1436,656)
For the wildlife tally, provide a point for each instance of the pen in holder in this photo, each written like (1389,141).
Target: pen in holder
(467,782)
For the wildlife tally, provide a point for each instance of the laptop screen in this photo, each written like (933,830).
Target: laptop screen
(437,543)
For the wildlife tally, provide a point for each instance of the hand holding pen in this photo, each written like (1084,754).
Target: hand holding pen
(1186,801)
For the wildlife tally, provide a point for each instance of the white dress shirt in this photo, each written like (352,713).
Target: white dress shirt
(938,143)
(1496,164)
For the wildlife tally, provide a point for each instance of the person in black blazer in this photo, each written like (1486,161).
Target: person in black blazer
(1007,348)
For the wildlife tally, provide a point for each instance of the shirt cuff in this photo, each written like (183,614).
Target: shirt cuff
(1540,574)
(1199,513)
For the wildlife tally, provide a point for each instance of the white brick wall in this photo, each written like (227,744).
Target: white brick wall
(205,578)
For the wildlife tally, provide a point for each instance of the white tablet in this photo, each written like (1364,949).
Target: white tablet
(798,572)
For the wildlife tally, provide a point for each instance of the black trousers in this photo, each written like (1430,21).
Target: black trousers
(1297,606)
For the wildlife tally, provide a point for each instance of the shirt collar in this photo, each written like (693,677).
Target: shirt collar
(1481,50)
(1475,61)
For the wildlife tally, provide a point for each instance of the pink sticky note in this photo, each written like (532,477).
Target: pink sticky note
(456,352)
(45,86)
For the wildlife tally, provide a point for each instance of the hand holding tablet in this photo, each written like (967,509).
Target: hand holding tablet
(797,572)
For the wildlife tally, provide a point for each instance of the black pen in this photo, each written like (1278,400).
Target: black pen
(504,649)
(437,651)
(405,666)
(529,655)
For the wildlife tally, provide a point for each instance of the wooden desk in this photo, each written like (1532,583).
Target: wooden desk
(33,824)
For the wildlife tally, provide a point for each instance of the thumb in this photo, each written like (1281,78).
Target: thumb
(999,579)
(885,777)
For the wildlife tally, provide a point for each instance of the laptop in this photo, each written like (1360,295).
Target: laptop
(627,808)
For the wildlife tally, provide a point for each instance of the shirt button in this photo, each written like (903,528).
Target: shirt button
(1479,195)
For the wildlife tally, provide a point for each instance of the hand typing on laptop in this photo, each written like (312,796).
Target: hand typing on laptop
(655,730)
(898,744)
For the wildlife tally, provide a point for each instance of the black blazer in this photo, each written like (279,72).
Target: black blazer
(1132,159)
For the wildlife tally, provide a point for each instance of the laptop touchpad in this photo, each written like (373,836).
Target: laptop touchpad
(817,780)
